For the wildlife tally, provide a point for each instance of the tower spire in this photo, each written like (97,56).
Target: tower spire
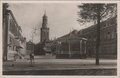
(45,13)
(44,29)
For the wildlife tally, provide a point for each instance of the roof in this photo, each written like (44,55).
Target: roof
(93,27)
(30,42)
(70,36)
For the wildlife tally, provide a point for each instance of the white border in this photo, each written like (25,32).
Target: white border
(81,1)
(60,76)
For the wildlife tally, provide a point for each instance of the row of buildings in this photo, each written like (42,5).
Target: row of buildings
(70,45)
(108,38)
(79,44)
(76,44)
(14,44)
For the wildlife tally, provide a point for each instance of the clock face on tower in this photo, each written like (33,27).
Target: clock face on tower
(44,30)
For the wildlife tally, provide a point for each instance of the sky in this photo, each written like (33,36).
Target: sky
(62,18)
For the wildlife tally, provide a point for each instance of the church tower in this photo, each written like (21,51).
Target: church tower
(44,29)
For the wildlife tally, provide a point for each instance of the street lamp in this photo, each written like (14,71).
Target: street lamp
(59,46)
(69,49)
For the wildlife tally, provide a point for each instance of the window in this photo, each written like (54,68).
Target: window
(112,35)
(108,35)
(105,35)
(10,40)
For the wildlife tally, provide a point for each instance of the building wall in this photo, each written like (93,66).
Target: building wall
(108,37)
(108,40)
(12,36)
(23,45)
(70,46)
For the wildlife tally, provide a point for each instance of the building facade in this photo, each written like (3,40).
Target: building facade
(13,41)
(70,46)
(108,41)
(23,44)
(108,38)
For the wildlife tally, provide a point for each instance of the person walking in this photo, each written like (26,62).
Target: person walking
(31,59)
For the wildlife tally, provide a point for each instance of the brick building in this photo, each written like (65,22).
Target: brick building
(108,38)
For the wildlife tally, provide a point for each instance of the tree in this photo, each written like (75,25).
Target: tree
(96,12)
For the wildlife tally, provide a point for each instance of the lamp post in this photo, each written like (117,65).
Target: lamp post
(59,49)
(85,49)
(34,31)
(80,47)
(32,51)
(69,49)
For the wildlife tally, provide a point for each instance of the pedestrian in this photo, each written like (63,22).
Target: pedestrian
(31,59)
